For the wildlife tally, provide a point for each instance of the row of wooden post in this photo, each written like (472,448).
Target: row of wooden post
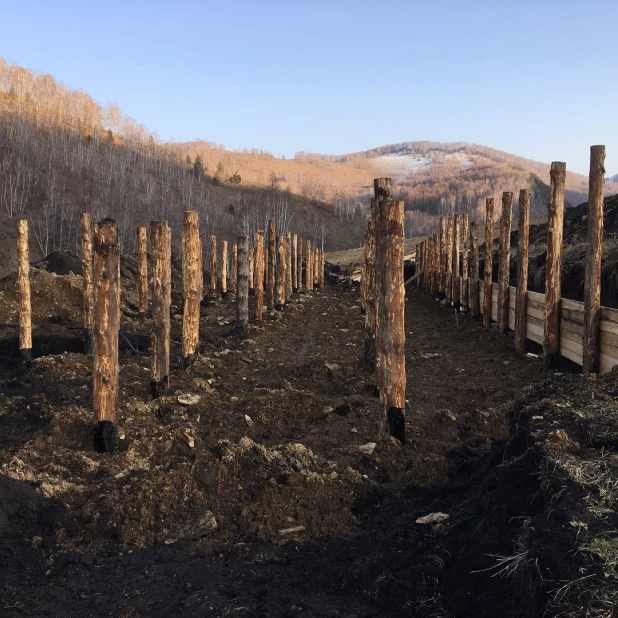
(447,264)
(252,267)
(382,302)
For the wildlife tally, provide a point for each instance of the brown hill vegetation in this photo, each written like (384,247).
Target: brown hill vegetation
(61,153)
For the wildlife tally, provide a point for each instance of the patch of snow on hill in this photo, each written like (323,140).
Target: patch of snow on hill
(403,164)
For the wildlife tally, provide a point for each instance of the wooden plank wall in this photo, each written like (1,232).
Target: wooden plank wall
(571,325)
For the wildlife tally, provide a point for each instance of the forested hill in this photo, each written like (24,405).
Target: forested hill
(61,153)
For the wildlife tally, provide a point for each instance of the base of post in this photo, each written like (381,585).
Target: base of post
(87,341)
(25,358)
(158,388)
(396,420)
(242,331)
(279,307)
(142,315)
(551,361)
(363,311)
(104,437)
(370,355)
(187,361)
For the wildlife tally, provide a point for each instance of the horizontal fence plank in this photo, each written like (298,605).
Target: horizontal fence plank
(607,363)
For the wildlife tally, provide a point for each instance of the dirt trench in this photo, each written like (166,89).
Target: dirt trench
(263,498)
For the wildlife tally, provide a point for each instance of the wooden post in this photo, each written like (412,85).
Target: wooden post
(88,299)
(295,285)
(270,286)
(161,301)
(390,337)
(435,268)
(259,275)
(442,263)
(505,262)
(449,261)
(474,270)
(592,285)
(308,275)
(316,268)
(265,282)
(106,323)
(224,267)
(191,274)
(289,286)
(242,295)
(251,262)
(280,275)
(417,263)
(521,294)
(25,308)
(142,267)
(464,283)
(299,263)
(553,265)
(489,243)
(234,271)
(456,236)
(213,262)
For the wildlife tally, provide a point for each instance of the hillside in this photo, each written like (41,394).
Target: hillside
(61,153)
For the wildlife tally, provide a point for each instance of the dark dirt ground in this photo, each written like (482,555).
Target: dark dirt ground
(259,500)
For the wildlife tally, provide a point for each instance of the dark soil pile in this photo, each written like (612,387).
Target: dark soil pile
(574,254)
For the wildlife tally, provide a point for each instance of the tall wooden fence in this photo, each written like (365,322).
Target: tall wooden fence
(583,332)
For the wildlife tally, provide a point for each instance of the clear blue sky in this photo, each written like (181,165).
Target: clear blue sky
(535,78)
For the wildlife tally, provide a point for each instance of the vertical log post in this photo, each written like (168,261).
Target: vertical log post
(505,262)
(417,263)
(242,286)
(224,267)
(555,216)
(449,261)
(441,248)
(390,336)
(456,274)
(280,275)
(592,286)
(295,285)
(464,286)
(234,270)
(265,282)
(299,264)
(259,275)
(142,266)
(307,284)
(521,294)
(86,244)
(25,308)
(191,274)
(316,268)
(213,263)
(270,285)
(161,302)
(489,244)
(474,270)
(435,265)
(106,323)
(251,263)
(289,285)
